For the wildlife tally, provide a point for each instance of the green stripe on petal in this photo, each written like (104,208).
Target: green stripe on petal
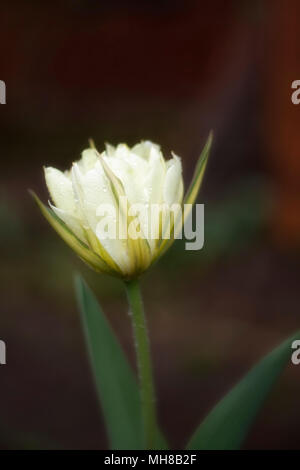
(99,249)
(139,249)
(82,250)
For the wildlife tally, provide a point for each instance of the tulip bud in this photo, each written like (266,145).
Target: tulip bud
(103,207)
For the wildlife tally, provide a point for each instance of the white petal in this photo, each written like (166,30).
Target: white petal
(154,177)
(121,151)
(153,190)
(91,189)
(110,150)
(117,249)
(143,149)
(60,189)
(131,176)
(88,160)
(173,185)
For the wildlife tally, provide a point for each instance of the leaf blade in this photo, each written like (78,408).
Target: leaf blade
(115,382)
(226,426)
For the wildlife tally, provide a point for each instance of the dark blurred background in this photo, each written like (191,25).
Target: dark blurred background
(168,71)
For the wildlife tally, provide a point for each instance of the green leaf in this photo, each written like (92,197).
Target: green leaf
(115,382)
(228,423)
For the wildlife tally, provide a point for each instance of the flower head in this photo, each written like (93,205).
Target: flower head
(103,206)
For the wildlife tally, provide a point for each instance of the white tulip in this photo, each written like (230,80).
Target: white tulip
(120,186)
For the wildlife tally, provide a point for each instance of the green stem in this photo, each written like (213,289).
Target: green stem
(143,361)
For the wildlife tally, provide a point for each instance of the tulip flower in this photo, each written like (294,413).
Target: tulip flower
(120,178)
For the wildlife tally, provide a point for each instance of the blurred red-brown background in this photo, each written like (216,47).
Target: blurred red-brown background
(168,71)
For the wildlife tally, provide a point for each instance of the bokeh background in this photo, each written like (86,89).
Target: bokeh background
(169,71)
